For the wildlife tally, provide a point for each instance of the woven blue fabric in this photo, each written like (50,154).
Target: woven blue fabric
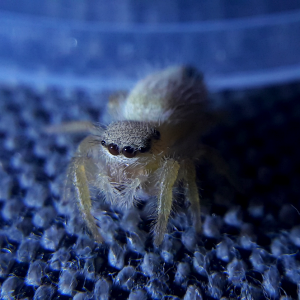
(249,248)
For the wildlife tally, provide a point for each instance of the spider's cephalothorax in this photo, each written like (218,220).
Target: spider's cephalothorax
(152,147)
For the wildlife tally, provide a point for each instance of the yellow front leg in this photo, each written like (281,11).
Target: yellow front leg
(192,195)
(168,177)
(83,197)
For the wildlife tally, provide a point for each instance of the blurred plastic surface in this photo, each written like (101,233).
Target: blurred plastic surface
(109,45)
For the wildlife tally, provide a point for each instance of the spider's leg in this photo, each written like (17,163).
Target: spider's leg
(79,178)
(74,127)
(220,165)
(168,177)
(191,193)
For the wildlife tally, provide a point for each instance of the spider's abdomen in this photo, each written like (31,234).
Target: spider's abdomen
(158,95)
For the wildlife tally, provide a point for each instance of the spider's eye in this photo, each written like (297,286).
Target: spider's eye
(144,149)
(156,134)
(113,149)
(129,152)
(103,143)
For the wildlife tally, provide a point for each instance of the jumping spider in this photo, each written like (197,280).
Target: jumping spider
(152,147)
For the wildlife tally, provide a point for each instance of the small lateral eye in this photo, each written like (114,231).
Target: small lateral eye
(113,149)
(103,143)
(144,149)
(156,134)
(129,152)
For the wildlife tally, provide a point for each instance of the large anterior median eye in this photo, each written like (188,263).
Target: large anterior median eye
(129,151)
(113,149)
